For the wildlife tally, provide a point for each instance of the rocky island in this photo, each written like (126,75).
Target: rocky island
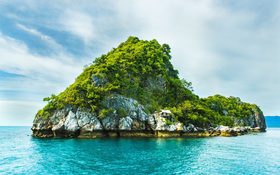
(134,91)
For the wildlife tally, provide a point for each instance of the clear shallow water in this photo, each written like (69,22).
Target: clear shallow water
(249,154)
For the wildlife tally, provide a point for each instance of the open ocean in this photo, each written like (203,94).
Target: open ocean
(248,154)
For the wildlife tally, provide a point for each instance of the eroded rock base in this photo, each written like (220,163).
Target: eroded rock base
(145,134)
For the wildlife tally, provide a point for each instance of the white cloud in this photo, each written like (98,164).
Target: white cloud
(42,76)
(47,39)
(17,58)
(79,24)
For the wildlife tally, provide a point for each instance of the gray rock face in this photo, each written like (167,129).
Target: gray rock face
(71,123)
(133,109)
(135,116)
(222,128)
(190,128)
(58,115)
(152,121)
(40,124)
(259,120)
(88,121)
(111,122)
(59,126)
(68,122)
(161,124)
(255,120)
(125,123)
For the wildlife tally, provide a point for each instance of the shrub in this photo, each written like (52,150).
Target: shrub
(122,113)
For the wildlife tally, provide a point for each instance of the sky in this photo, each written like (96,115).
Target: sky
(227,47)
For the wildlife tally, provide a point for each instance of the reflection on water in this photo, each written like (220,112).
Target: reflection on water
(249,154)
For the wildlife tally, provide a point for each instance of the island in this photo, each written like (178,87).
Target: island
(134,91)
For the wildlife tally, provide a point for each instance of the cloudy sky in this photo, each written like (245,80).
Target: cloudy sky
(228,47)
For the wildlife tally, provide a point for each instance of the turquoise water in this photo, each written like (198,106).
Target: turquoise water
(273,122)
(249,154)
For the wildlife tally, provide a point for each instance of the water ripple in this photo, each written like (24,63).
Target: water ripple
(249,154)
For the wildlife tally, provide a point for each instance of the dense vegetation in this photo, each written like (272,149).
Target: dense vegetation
(213,110)
(142,70)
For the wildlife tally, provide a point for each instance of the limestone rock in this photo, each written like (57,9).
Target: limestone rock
(59,126)
(191,128)
(111,122)
(138,125)
(142,116)
(88,121)
(254,120)
(71,123)
(222,128)
(259,119)
(152,121)
(125,123)
(59,115)
(41,124)
(161,123)
(133,109)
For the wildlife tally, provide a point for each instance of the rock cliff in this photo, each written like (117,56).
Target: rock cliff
(83,123)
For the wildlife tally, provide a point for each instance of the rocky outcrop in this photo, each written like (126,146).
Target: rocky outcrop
(96,104)
(88,121)
(66,123)
(160,123)
(133,121)
(256,120)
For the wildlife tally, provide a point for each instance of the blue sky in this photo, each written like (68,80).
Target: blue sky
(228,47)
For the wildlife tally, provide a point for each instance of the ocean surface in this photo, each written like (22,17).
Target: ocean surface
(248,154)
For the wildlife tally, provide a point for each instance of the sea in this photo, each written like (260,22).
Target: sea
(251,154)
